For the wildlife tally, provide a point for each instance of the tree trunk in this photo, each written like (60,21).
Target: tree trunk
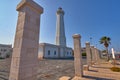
(107,54)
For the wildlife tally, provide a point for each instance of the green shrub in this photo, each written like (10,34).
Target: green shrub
(2,58)
(115,69)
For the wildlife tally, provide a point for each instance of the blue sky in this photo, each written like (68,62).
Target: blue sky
(90,18)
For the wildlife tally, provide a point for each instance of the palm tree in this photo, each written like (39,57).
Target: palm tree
(106,42)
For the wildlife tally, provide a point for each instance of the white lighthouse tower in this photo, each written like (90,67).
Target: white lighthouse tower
(60,31)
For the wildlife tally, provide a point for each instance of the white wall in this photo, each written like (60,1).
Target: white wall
(68,53)
(40,52)
(52,49)
(61,52)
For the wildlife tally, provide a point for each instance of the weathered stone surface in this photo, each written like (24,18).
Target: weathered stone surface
(88,52)
(97,55)
(77,55)
(77,78)
(86,67)
(49,68)
(93,54)
(64,78)
(25,52)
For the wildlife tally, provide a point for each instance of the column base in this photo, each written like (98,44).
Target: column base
(86,67)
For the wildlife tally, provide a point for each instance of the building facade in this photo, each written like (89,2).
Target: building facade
(5,50)
(47,50)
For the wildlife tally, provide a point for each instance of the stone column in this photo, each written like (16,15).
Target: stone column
(97,55)
(77,56)
(93,54)
(88,52)
(24,64)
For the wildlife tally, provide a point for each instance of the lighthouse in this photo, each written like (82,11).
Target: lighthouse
(59,49)
(60,30)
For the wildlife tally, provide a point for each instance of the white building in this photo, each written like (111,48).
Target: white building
(5,50)
(54,51)
(58,50)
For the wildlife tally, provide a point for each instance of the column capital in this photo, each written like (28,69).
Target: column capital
(31,4)
(76,36)
(92,46)
(87,43)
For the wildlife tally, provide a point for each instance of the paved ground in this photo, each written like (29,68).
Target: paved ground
(4,69)
(48,69)
(101,72)
(55,69)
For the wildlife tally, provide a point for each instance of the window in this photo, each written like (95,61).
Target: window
(67,53)
(48,52)
(70,53)
(54,52)
(5,50)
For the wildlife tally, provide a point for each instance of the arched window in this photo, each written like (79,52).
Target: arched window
(48,52)
(54,52)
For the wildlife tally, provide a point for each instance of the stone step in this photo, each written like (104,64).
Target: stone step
(3,77)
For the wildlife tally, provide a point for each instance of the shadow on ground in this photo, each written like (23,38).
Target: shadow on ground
(96,78)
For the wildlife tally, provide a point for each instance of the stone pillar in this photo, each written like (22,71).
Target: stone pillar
(24,63)
(41,51)
(88,52)
(93,54)
(97,55)
(77,56)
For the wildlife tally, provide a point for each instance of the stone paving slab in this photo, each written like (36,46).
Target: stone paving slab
(56,69)
(65,78)
(100,72)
